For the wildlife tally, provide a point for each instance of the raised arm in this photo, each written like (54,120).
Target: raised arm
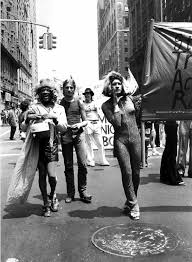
(113,115)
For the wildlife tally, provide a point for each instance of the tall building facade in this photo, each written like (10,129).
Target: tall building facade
(113,36)
(141,11)
(18,53)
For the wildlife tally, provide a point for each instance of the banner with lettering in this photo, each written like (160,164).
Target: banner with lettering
(106,127)
(167,86)
(107,131)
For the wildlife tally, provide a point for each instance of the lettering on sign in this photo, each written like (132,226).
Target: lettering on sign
(107,131)
(182,82)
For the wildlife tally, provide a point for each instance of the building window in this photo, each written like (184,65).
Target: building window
(126,22)
(126,49)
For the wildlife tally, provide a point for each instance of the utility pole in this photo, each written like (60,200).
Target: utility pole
(46,41)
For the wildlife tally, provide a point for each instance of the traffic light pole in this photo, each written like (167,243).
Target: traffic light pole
(22,21)
(46,41)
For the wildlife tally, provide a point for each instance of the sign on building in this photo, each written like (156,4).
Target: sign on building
(7,97)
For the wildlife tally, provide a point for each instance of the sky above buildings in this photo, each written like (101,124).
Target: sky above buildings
(74,23)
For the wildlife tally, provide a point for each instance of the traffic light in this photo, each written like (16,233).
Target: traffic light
(43,41)
(54,41)
(51,43)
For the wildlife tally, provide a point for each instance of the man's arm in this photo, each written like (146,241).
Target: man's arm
(61,120)
(83,114)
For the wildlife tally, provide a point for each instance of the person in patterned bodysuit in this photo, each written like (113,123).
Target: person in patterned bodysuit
(120,112)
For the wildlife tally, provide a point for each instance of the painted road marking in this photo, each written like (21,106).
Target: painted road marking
(16,154)
(12,259)
(5,155)
(9,141)
(5,133)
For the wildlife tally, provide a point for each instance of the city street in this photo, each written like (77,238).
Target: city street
(66,236)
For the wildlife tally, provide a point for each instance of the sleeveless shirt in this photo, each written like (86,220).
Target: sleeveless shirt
(73,113)
(72,110)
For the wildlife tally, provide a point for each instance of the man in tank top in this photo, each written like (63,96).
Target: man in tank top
(74,138)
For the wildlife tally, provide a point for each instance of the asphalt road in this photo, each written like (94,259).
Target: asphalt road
(66,236)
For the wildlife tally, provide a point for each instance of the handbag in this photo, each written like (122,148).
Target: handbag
(24,126)
(23,135)
(40,129)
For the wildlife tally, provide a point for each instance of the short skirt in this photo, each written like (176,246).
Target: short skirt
(46,153)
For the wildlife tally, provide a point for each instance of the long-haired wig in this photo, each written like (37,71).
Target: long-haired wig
(109,78)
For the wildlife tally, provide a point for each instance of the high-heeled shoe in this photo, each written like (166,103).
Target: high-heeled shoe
(134,214)
(46,211)
(54,203)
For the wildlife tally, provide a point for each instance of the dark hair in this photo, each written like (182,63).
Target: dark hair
(88,90)
(69,81)
(24,105)
(116,76)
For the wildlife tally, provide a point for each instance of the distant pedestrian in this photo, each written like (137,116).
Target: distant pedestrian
(168,169)
(12,121)
(6,113)
(185,143)
(74,138)
(120,112)
(93,130)
(153,135)
(3,117)
(24,106)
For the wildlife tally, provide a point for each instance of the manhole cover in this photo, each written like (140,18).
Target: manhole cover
(135,240)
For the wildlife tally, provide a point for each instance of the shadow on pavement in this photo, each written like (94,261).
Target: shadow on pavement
(166,209)
(59,196)
(151,178)
(25,210)
(103,211)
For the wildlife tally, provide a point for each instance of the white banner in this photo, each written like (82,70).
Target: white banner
(107,131)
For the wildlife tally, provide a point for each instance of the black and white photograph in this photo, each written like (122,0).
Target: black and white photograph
(96,131)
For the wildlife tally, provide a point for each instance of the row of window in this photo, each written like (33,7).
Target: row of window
(107,31)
